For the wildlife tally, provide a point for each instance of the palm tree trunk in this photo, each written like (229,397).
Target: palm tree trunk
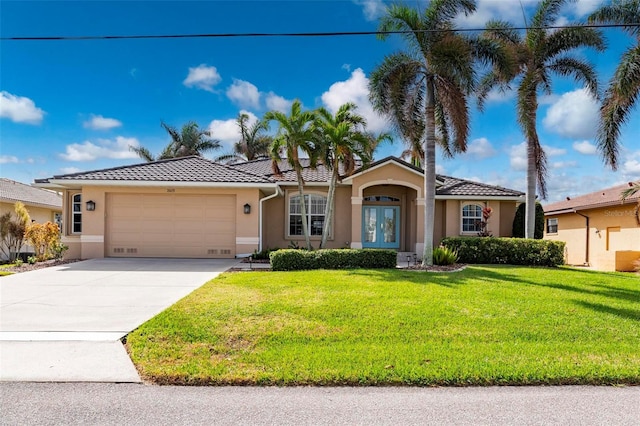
(429,175)
(328,211)
(303,210)
(530,206)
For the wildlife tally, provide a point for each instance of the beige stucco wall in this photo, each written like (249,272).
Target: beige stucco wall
(91,243)
(611,229)
(275,226)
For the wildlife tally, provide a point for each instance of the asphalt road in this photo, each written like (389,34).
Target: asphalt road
(136,404)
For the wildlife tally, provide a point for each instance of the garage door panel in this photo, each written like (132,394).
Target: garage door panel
(171,225)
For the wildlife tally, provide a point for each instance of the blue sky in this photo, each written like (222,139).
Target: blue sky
(70,106)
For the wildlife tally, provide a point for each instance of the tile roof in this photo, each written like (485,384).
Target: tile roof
(468,188)
(601,198)
(12,191)
(183,169)
(198,169)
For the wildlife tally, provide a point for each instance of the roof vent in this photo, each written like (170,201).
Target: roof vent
(568,198)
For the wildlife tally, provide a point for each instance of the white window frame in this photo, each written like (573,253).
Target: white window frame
(463,217)
(549,224)
(294,195)
(73,213)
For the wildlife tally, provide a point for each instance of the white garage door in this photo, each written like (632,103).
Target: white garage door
(170,225)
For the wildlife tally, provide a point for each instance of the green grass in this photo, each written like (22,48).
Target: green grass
(485,325)
(5,273)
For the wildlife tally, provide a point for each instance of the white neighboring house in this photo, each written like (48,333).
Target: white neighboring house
(43,205)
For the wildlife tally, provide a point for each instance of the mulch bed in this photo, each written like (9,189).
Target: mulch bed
(26,267)
(456,267)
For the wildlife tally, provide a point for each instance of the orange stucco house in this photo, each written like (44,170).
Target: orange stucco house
(193,207)
(599,229)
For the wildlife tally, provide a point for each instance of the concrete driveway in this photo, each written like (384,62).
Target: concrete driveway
(65,323)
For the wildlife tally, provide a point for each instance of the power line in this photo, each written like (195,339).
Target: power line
(309,34)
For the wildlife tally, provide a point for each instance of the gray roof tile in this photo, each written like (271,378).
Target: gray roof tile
(12,191)
(183,169)
(468,188)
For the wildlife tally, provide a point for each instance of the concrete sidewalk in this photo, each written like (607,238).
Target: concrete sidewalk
(65,323)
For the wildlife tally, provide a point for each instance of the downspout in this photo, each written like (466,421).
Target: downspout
(586,255)
(262,200)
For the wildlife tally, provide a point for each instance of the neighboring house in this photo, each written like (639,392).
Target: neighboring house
(600,229)
(193,207)
(43,205)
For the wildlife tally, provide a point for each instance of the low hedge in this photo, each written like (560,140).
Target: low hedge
(512,251)
(293,260)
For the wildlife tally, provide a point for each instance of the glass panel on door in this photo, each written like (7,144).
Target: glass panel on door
(370,225)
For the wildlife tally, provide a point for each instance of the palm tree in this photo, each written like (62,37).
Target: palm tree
(191,140)
(253,143)
(342,140)
(624,87)
(425,91)
(539,54)
(295,134)
(634,188)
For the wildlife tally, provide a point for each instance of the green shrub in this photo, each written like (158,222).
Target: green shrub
(444,256)
(262,255)
(517,229)
(292,260)
(512,251)
(31,260)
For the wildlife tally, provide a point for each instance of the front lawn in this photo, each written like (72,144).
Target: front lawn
(485,325)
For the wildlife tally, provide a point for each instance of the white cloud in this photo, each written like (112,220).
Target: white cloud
(5,159)
(585,147)
(70,170)
(356,90)
(552,151)
(494,9)
(481,148)
(564,164)
(103,148)
(440,169)
(518,157)
(573,115)
(584,7)
(244,94)
(202,77)
(227,131)
(98,122)
(631,167)
(278,103)
(372,9)
(19,109)
(346,67)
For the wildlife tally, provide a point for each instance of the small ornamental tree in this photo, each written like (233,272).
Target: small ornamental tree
(12,228)
(44,237)
(518,222)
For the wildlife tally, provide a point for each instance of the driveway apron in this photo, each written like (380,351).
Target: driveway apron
(65,323)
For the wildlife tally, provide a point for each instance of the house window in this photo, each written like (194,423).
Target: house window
(316,205)
(471,217)
(552,226)
(382,198)
(76,214)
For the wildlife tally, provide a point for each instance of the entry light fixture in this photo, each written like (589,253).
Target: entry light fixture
(247,208)
(91,205)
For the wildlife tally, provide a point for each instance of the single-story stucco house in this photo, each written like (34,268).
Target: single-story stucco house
(599,229)
(194,207)
(43,205)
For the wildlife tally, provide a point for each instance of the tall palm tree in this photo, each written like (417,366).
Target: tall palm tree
(424,92)
(624,87)
(634,188)
(295,134)
(342,140)
(540,53)
(190,140)
(253,143)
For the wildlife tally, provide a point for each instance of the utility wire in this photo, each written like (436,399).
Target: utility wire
(310,34)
